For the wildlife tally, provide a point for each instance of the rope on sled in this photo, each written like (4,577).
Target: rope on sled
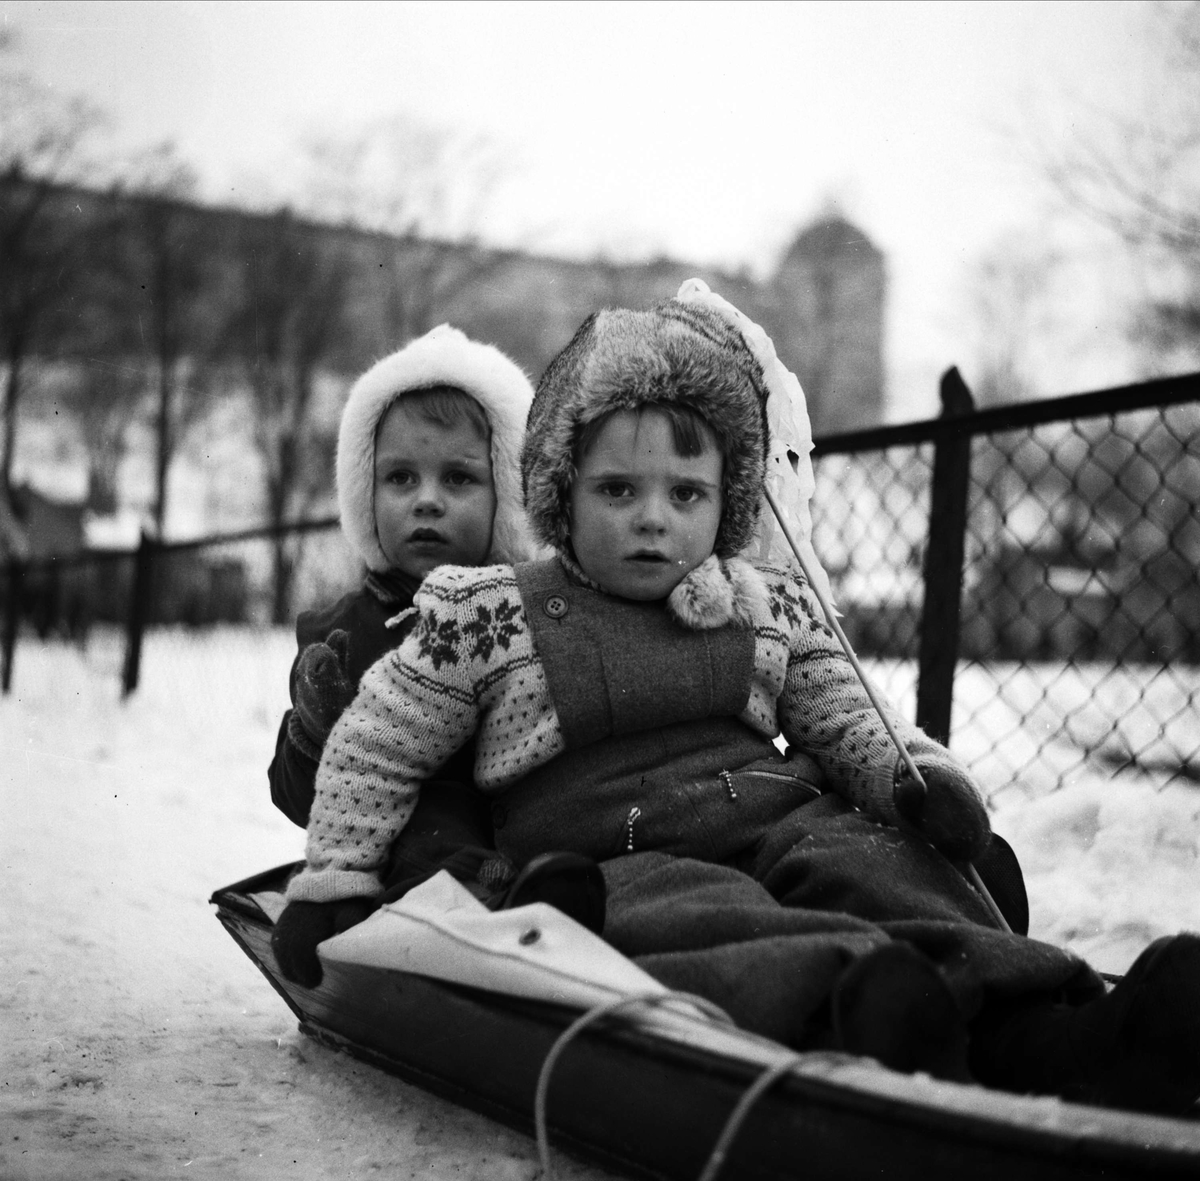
(733,1125)
(971,873)
(593,1015)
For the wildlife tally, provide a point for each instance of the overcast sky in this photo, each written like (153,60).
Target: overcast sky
(709,131)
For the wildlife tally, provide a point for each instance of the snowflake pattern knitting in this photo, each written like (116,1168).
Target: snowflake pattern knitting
(785,604)
(492,628)
(438,639)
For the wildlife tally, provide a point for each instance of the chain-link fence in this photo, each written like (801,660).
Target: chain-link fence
(1022,580)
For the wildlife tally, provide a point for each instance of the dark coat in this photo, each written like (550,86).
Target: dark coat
(363,615)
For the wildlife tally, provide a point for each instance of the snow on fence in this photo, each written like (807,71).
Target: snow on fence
(1021,579)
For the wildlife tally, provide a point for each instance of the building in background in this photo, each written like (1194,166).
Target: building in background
(209,349)
(829,290)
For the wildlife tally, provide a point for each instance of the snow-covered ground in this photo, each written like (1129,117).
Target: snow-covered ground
(136,1039)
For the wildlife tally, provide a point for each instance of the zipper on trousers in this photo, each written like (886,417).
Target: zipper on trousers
(634,813)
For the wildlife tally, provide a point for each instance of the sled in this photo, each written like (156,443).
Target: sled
(647,1094)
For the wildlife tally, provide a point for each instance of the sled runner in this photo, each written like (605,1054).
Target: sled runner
(468,1003)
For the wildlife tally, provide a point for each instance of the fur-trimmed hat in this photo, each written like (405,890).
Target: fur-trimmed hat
(442,357)
(676,352)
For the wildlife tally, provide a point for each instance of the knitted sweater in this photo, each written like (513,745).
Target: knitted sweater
(469,667)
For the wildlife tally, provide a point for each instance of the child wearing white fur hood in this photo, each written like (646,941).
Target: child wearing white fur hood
(427,475)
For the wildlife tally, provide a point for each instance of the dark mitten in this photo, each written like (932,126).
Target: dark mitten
(323,689)
(949,812)
(305,924)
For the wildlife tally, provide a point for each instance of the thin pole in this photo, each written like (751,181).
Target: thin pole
(976,881)
(971,873)
(832,620)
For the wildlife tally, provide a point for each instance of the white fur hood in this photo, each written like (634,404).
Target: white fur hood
(443,356)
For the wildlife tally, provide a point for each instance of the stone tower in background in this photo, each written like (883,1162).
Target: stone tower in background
(829,295)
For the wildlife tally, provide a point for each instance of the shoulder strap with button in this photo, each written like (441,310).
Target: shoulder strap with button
(617,667)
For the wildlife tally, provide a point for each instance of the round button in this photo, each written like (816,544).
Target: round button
(556,606)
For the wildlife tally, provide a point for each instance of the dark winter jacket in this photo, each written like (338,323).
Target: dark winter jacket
(363,615)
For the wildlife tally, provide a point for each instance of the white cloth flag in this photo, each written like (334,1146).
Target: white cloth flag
(789,463)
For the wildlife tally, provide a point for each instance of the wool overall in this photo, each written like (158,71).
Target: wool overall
(729,873)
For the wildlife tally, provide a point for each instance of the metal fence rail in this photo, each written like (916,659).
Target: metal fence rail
(1022,580)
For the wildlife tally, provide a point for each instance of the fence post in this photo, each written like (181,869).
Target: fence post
(139,611)
(12,619)
(938,652)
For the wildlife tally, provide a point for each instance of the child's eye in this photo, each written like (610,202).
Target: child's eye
(459,479)
(687,495)
(614,489)
(400,477)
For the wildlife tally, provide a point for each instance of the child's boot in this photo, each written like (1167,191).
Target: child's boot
(569,882)
(1136,1047)
(894,1006)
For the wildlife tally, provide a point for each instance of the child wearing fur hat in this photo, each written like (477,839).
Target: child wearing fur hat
(624,697)
(427,474)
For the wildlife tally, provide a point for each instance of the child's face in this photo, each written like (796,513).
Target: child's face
(642,516)
(434,497)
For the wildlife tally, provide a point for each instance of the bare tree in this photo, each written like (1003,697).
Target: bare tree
(421,279)
(1136,171)
(104,398)
(405,178)
(166,248)
(286,320)
(428,193)
(1010,309)
(43,144)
